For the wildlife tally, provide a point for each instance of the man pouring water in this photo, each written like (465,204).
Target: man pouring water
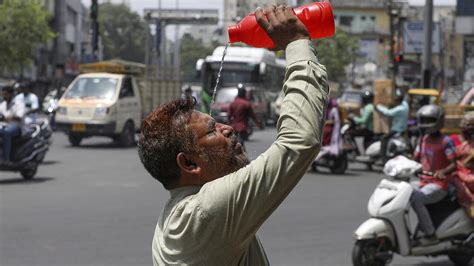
(218,199)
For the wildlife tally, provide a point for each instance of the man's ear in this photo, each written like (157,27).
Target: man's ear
(187,164)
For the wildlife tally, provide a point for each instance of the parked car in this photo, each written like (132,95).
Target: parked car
(225,96)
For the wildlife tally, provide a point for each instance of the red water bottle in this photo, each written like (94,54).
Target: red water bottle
(317,17)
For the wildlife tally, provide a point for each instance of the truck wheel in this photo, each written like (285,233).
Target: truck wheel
(75,140)
(127,137)
(29,171)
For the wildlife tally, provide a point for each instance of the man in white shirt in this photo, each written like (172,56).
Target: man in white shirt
(12,112)
(29,99)
(219,199)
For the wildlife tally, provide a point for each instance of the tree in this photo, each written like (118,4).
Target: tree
(23,25)
(336,53)
(122,32)
(191,51)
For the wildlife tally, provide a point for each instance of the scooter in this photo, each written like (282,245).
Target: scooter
(331,154)
(28,151)
(370,156)
(50,106)
(391,228)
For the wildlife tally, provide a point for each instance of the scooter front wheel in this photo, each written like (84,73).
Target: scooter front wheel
(29,171)
(369,253)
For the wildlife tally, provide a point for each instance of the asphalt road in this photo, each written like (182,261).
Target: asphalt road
(96,205)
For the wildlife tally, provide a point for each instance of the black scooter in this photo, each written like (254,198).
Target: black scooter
(27,151)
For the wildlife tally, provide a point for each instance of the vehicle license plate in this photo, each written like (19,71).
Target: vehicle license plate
(78,127)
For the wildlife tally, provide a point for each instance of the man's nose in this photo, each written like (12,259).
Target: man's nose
(225,129)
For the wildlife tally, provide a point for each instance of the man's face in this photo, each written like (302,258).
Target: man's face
(219,152)
(7,96)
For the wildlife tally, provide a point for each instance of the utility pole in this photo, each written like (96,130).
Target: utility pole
(177,48)
(428,32)
(392,14)
(95,28)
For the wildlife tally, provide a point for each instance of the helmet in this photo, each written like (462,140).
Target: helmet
(467,126)
(367,97)
(430,118)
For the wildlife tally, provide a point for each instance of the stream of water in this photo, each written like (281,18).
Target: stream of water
(218,78)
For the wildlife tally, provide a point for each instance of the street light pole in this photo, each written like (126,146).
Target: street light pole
(428,32)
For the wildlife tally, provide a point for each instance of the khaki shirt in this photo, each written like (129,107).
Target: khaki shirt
(216,224)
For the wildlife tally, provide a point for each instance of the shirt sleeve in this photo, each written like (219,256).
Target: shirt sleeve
(389,112)
(19,110)
(364,117)
(236,205)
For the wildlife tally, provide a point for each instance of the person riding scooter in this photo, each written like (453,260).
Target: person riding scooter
(12,112)
(436,153)
(464,178)
(29,99)
(331,154)
(399,120)
(365,122)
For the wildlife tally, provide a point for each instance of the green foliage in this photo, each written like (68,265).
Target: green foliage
(122,32)
(23,25)
(191,51)
(337,52)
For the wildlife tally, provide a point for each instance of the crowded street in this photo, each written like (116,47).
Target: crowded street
(96,205)
(237,132)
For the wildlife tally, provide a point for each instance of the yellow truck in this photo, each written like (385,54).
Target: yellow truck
(110,98)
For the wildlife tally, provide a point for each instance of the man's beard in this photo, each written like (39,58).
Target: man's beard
(227,161)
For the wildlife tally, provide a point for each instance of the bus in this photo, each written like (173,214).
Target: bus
(246,65)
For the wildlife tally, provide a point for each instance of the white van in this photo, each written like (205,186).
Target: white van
(107,100)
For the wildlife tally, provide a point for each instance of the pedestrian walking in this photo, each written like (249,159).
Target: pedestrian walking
(218,199)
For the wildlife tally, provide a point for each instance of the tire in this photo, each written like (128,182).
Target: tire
(364,253)
(75,140)
(460,259)
(340,165)
(127,137)
(314,167)
(29,171)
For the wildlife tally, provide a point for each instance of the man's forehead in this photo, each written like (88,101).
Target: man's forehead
(200,119)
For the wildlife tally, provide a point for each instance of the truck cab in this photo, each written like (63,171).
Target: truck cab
(103,101)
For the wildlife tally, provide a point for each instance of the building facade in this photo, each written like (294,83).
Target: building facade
(465,42)
(58,59)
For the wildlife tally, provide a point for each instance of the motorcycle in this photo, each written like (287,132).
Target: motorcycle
(370,156)
(27,151)
(46,134)
(391,228)
(50,106)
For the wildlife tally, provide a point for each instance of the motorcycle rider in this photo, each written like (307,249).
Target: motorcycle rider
(240,112)
(365,122)
(29,99)
(399,119)
(436,153)
(12,112)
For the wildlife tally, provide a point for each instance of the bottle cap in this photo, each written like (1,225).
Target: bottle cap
(233,31)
